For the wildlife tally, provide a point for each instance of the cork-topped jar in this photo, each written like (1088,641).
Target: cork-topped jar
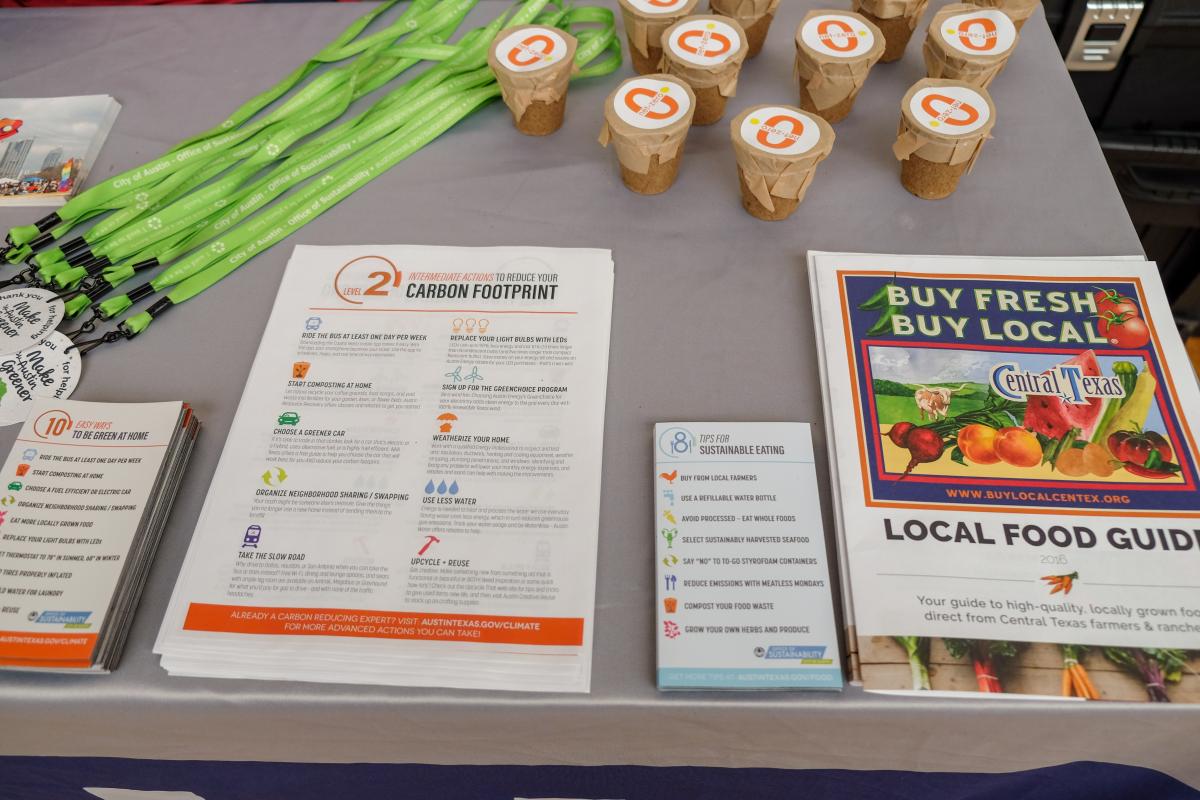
(533,65)
(647,119)
(777,150)
(645,22)
(969,43)
(943,125)
(835,51)
(706,53)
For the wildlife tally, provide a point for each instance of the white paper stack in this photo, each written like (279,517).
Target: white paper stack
(1005,438)
(410,491)
(86,495)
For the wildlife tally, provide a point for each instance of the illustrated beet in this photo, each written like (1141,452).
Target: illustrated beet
(899,433)
(924,445)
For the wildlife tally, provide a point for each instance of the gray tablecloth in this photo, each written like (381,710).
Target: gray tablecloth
(710,321)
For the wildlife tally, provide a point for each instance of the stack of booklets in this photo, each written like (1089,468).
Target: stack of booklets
(1015,475)
(49,144)
(744,599)
(410,491)
(87,491)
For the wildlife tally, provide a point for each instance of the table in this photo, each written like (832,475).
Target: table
(711,321)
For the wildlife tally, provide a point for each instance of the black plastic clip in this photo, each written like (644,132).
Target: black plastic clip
(87,327)
(20,279)
(84,286)
(89,345)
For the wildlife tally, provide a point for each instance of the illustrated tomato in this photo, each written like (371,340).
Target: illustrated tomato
(1123,331)
(1145,472)
(1135,448)
(1112,300)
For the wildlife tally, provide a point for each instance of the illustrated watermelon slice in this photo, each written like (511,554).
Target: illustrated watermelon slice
(1052,416)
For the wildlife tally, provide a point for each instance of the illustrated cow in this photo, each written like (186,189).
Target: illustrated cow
(934,401)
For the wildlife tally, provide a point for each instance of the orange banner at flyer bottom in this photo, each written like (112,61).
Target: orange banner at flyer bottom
(482,628)
(72,649)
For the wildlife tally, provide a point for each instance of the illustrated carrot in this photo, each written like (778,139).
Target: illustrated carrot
(1061,583)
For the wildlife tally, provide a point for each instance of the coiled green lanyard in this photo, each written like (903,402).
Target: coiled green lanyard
(351,154)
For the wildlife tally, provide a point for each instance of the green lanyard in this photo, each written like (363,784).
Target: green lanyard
(403,122)
(333,149)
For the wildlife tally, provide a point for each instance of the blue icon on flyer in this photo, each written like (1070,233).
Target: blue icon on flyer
(676,442)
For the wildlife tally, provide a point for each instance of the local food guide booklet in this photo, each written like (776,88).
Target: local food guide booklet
(410,490)
(1015,475)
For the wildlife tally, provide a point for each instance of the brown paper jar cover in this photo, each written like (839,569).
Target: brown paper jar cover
(647,116)
(969,43)
(645,20)
(532,64)
(896,19)
(889,9)
(944,122)
(777,150)
(705,51)
(835,51)
(755,17)
(1019,10)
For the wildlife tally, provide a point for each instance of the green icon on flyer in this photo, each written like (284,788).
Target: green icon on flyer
(289,418)
(274,476)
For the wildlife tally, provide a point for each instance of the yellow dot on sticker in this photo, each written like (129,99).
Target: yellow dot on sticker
(665,89)
(950,31)
(754,120)
(933,123)
(862,33)
(711,25)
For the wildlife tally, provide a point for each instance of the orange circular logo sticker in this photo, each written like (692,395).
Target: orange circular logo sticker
(531,49)
(779,130)
(837,35)
(704,42)
(650,104)
(657,6)
(950,110)
(985,31)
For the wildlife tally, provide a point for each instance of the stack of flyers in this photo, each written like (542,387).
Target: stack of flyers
(410,492)
(1015,475)
(89,488)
